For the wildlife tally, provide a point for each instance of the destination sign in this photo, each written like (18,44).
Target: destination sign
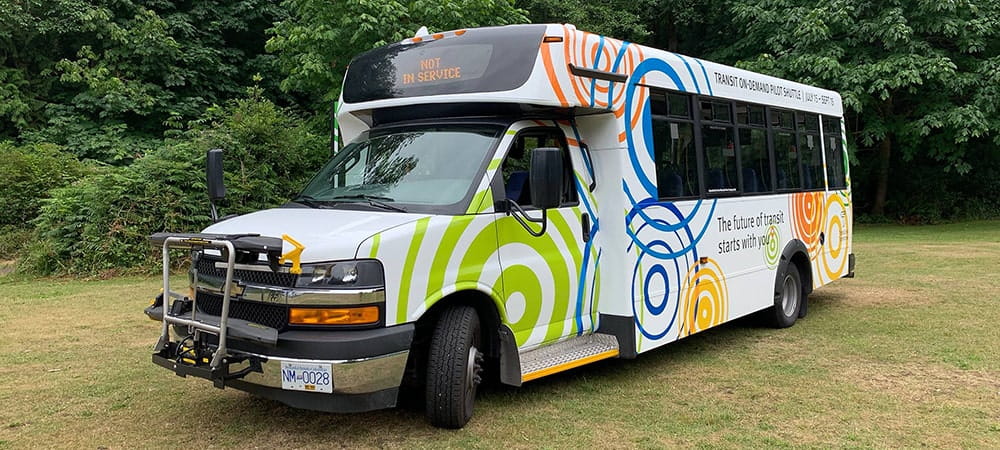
(481,60)
(438,65)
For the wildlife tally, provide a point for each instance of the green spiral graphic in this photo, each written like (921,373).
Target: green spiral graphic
(771,251)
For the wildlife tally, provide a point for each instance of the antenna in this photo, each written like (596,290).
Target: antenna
(422,32)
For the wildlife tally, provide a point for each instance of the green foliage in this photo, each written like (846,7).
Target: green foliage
(921,78)
(692,27)
(622,19)
(102,222)
(106,78)
(12,240)
(28,173)
(321,37)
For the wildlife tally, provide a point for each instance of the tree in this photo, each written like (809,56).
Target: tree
(918,77)
(621,19)
(106,78)
(317,42)
(692,27)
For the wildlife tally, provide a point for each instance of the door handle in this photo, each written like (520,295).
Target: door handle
(585,221)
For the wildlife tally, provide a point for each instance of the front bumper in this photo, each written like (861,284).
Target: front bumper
(367,367)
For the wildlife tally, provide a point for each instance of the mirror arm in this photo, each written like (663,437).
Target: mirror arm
(593,176)
(517,211)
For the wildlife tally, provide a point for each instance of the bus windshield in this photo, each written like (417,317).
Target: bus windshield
(421,166)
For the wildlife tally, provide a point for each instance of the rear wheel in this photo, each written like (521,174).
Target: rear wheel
(788,298)
(454,367)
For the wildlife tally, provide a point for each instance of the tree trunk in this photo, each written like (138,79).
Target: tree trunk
(882,180)
(672,40)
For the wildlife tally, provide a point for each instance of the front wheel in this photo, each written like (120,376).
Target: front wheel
(788,298)
(454,367)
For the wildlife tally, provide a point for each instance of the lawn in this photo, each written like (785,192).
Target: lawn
(906,354)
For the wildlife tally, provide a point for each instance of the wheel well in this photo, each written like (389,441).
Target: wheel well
(489,320)
(805,270)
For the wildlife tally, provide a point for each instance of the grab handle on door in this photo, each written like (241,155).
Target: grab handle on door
(585,221)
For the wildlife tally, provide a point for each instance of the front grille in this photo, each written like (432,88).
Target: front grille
(206,266)
(267,314)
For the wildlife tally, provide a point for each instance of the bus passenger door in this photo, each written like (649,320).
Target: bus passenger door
(542,275)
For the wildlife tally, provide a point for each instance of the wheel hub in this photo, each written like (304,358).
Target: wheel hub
(789,296)
(474,369)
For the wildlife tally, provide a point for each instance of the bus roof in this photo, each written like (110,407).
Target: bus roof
(553,65)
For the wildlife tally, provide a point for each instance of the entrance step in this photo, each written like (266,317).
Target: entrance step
(567,354)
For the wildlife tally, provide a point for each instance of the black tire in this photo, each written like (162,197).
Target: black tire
(789,295)
(454,366)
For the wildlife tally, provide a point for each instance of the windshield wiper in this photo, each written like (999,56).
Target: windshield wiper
(373,200)
(310,202)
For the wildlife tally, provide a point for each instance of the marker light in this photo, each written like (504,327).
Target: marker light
(364,315)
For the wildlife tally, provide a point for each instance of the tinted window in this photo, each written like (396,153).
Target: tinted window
(835,161)
(680,106)
(811,157)
(720,158)
(812,162)
(716,112)
(786,160)
(782,118)
(756,160)
(515,167)
(676,159)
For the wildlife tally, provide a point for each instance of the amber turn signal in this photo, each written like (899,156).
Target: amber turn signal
(364,315)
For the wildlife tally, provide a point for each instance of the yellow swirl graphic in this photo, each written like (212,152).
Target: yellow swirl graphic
(706,298)
(835,254)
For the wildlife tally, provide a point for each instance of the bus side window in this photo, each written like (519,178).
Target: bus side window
(755,159)
(811,157)
(515,166)
(674,146)
(834,154)
(719,147)
(786,152)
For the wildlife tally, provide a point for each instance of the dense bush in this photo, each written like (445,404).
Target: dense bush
(102,222)
(28,173)
(923,190)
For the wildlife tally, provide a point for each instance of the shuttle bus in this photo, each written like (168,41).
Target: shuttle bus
(515,202)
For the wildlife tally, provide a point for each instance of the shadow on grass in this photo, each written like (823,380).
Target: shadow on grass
(258,416)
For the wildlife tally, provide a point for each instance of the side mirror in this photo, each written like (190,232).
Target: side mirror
(213,175)
(214,179)
(546,177)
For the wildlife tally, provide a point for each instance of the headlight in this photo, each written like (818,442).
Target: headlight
(365,273)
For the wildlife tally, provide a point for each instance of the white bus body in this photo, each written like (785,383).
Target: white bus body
(693,194)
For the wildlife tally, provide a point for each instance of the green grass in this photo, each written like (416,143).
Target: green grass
(906,354)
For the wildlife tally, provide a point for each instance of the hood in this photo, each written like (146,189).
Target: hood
(326,234)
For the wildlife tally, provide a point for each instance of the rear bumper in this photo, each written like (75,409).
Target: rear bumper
(367,367)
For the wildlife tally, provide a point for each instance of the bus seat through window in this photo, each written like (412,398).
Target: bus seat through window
(750,181)
(715,179)
(517,186)
(671,184)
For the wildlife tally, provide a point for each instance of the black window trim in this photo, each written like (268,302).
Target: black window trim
(695,119)
(843,151)
(798,146)
(500,196)
(736,147)
(767,142)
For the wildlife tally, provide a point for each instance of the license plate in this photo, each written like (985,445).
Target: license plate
(306,377)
